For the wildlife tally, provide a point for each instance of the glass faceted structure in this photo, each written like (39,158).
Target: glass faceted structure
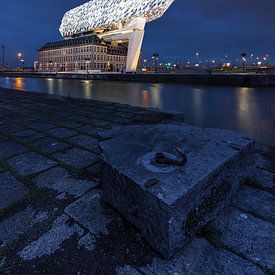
(115,21)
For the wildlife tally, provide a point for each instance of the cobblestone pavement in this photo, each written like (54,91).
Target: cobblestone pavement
(54,221)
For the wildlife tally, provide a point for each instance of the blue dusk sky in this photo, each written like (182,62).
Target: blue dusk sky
(213,28)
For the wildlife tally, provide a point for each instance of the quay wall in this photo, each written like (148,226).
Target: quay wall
(240,80)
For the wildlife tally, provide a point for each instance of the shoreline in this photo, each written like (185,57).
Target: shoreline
(236,80)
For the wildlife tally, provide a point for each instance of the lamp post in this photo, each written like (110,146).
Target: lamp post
(243,55)
(197,56)
(22,64)
(251,58)
(155,57)
(266,59)
(51,65)
(19,55)
(87,63)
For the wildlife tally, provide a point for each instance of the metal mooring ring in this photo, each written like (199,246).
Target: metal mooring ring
(161,158)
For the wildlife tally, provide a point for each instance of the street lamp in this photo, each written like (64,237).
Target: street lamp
(87,63)
(251,58)
(197,55)
(266,59)
(243,55)
(51,66)
(155,57)
(22,63)
(19,55)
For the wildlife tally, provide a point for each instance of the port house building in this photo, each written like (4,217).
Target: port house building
(88,53)
(103,35)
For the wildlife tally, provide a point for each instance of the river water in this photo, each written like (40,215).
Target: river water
(251,110)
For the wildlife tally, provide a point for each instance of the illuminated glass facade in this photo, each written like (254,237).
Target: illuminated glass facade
(110,14)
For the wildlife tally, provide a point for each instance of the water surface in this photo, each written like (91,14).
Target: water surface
(251,110)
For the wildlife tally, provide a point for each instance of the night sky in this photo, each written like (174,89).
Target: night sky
(215,28)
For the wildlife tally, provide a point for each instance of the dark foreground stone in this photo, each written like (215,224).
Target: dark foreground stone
(180,200)
(53,219)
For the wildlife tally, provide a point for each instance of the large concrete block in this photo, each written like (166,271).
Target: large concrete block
(167,203)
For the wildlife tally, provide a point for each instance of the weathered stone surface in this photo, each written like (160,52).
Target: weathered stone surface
(182,199)
(3,139)
(11,190)
(62,132)
(89,130)
(9,127)
(60,180)
(8,149)
(85,141)
(264,178)
(49,145)
(28,135)
(30,163)
(87,242)
(52,240)
(99,122)
(127,270)
(77,158)
(263,163)
(15,226)
(248,236)
(200,257)
(41,126)
(257,202)
(89,212)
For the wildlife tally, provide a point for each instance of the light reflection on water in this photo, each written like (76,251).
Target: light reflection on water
(251,110)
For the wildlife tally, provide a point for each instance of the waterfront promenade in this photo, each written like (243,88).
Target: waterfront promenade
(53,219)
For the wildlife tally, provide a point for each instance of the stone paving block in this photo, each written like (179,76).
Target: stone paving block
(249,236)
(198,257)
(3,139)
(90,213)
(60,180)
(8,127)
(30,163)
(169,203)
(50,242)
(62,132)
(90,130)
(28,135)
(69,124)
(87,142)
(50,145)
(99,122)
(10,148)
(76,158)
(257,202)
(11,190)
(15,226)
(41,126)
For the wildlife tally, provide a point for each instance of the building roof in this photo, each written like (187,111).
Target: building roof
(85,40)
(71,42)
(105,14)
